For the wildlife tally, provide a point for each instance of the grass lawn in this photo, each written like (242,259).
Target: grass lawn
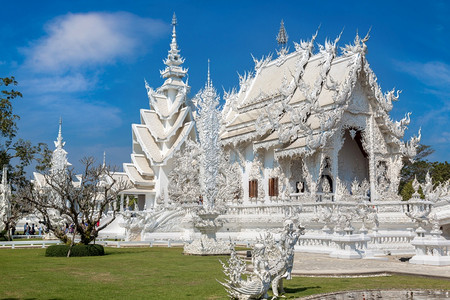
(151,273)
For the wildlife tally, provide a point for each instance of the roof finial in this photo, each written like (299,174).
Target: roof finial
(174,45)
(60,125)
(59,140)
(174,19)
(209,76)
(282,36)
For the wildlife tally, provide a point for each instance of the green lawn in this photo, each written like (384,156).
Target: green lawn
(151,273)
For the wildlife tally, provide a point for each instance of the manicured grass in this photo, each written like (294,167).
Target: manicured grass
(151,273)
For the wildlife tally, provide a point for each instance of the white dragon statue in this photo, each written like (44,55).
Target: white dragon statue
(271,263)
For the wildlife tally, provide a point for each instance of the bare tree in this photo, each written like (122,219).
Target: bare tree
(63,202)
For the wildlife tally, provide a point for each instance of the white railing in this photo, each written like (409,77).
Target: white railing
(262,209)
(312,207)
(379,242)
(150,243)
(30,243)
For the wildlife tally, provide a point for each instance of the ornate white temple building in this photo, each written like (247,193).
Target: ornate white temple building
(306,135)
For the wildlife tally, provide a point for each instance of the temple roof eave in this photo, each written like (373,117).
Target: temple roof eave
(135,177)
(142,165)
(155,126)
(150,148)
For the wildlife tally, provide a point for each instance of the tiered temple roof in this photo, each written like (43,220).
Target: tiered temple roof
(295,101)
(165,126)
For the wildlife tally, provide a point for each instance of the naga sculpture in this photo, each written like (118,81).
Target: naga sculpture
(271,263)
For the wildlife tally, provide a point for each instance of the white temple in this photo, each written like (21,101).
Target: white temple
(307,136)
(163,130)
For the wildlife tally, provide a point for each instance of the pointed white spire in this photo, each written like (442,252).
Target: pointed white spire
(104,159)
(209,83)
(59,140)
(173,60)
(173,45)
(59,157)
(282,37)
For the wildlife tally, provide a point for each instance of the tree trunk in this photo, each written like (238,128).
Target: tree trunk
(71,243)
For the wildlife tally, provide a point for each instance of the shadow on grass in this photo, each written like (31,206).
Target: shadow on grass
(300,289)
(26,298)
(124,251)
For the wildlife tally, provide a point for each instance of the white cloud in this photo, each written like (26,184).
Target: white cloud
(80,41)
(434,73)
(73,82)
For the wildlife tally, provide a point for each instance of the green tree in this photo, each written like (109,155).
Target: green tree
(16,153)
(439,171)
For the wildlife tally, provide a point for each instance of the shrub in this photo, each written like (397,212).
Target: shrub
(3,235)
(77,250)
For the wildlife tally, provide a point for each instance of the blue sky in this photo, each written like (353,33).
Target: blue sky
(86,60)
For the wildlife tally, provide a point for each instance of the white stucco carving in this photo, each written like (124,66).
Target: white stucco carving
(272,262)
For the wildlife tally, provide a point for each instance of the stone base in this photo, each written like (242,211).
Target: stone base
(430,260)
(431,251)
(347,246)
(207,246)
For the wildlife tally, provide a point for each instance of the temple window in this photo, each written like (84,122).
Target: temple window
(299,187)
(273,187)
(328,184)
(253,188)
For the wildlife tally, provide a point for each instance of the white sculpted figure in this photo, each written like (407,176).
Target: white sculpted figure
(257,283)
(271,263)
(133,222)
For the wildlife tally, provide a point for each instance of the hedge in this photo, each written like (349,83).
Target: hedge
(77,250)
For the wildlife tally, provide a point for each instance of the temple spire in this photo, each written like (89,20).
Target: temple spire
(174,60)
(209,83)
(173,45)
(59,157)
(104,159)
(282,37)
(59,140)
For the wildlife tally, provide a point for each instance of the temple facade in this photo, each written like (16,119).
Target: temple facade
(308,123)
(307,135)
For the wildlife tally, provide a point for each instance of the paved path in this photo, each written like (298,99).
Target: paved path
(307,264)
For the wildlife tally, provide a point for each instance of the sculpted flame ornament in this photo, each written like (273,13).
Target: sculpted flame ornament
(409,149)
(205,220)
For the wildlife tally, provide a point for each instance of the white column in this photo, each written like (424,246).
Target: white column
(372,175)
(121,202)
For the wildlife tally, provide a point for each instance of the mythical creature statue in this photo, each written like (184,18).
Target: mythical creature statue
(271,263)
(133,222)
(256,284)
